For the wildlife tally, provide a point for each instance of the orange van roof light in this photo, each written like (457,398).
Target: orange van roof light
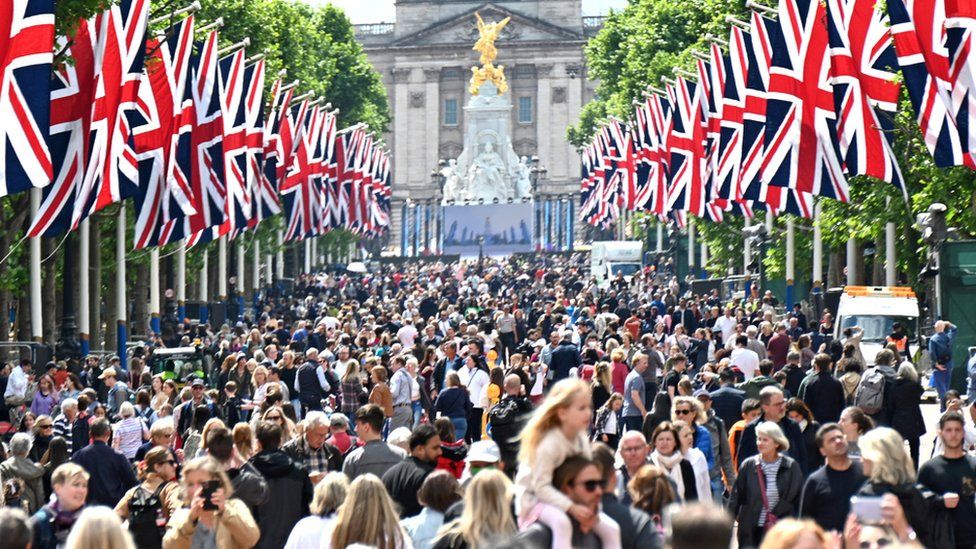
(879,291)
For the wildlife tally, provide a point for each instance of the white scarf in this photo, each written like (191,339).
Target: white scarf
(672,466)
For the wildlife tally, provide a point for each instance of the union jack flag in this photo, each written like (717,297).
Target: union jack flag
(622,174)
(686,143)
(729,155)
(96,163)
(270,182)
(861,56)
(26,54)
(237,207)
(659,119)
(960,30)
(164,195)
(298,191)
(594,209)
(801,130)
(917,27)
(207,163)
(264,197)
(323,172)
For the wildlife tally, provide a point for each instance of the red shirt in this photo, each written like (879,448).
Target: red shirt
(618,376)
(633,325)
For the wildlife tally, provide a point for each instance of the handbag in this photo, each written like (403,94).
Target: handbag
(771,519)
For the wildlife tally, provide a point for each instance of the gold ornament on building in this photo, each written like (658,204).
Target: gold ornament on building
(488,72)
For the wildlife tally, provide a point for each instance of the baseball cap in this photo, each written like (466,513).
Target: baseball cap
(197,381)
(484,451)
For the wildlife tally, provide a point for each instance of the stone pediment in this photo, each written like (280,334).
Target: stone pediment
(462,29)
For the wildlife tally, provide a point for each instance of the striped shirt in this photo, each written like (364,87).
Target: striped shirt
(128,434)
(772,490)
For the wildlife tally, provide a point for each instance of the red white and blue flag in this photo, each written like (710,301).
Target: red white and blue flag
(92,101)
(26,54)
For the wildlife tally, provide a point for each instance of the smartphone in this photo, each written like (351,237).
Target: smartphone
(867,509)
(209,488)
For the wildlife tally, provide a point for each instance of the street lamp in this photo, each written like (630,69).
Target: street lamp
(537,173)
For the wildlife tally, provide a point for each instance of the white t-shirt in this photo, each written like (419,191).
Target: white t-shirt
(406,335)
(476,380)
(746,360)
(726,325)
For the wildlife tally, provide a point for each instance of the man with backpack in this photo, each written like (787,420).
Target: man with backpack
(506,419)
(874,389)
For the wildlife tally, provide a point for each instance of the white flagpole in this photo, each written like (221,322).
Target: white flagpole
(181,281)
(154,289)
(817,250)
(241,288)
(84,259)
(120,300)
(222,270)
(280,257)
(37,324)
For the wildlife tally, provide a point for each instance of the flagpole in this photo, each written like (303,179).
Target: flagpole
(222,273)
(120,301)
(256,272)
(268,269)
(241,288)
(851,269)
(37,324)
(204,286)
(154,290)
(790,261)
(746,247)
(691,248)
(84,312)
(891,255)
(659,246)
(180,281)
(280,257)
(817,249)
(308,256)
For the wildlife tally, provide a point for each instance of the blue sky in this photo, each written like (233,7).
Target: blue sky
(376,11)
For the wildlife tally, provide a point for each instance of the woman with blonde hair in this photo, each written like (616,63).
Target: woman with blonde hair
(330,493)
(259,381)
(367,517)
(70,485)
(487,513)
(890,470)
(602,385)
(798,534)
(99,527)
(690,410)
(215,521)
(556,432)
(244,440)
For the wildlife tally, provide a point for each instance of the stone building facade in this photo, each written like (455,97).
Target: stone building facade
(426,58)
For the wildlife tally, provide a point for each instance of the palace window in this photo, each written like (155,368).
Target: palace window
(525,110)
(450,112)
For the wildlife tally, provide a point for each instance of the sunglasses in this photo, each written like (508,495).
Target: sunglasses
(45,426)
(273,417)
(591,485)
(682,412)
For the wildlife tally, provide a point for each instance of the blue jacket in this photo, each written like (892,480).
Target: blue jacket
(727,403)
(940,345)
(111,474)
(564,357)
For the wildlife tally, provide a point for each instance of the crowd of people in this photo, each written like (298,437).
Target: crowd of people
(504,402)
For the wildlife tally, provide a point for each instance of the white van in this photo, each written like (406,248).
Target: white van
(875,309)
(612,257)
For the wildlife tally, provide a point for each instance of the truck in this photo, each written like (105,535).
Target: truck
(612,257)
(875,309)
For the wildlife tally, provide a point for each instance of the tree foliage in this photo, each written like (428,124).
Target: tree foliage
(647,40)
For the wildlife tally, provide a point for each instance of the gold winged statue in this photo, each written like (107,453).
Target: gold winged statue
(488,33)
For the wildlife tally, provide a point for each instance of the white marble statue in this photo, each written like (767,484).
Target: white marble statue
(523,181)
(453,184)
(486,177)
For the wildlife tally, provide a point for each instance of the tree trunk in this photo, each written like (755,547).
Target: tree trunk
(878,272)
(140,300)
(835,269)
(858,262)
(111,310)
(95,284)
(49,289)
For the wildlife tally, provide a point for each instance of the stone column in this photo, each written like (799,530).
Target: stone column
(432,76)
(543,118)
(401,100)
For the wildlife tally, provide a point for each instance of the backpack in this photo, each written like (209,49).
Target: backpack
(146,521)
(869,396)
(504,413)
